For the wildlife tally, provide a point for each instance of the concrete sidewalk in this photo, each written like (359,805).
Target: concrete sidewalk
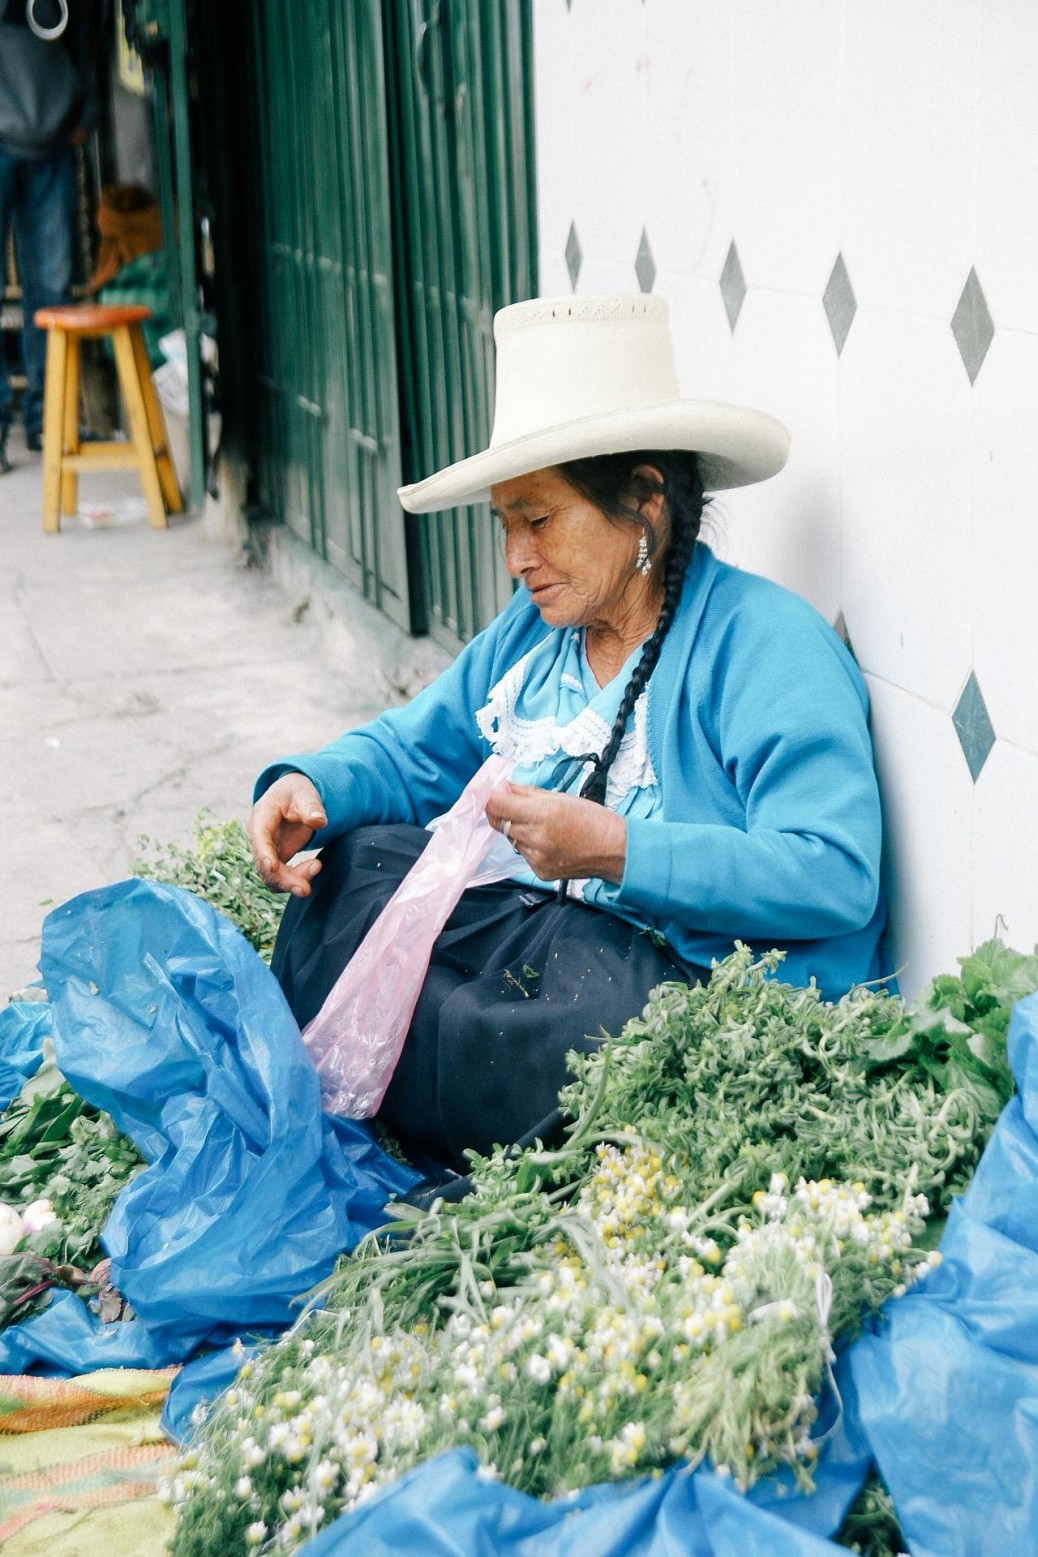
(146,674)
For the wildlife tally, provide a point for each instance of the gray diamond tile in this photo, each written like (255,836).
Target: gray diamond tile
(573,255)
(840,628)
(973,726)
(645,265)
(733,285)
(839,303)
(972,326)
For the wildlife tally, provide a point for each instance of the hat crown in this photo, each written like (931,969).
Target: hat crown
(562,359)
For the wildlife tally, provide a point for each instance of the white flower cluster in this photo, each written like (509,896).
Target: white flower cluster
(334,1439)
(822,1223)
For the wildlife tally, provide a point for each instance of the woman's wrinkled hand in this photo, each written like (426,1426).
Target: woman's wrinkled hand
(560,836)
(281,823)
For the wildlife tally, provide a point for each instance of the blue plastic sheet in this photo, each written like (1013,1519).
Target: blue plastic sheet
(24,1024)
(198,1382)
(65,1337)
(446,1509)
(165,1016)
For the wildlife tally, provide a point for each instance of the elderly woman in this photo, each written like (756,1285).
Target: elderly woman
(692,762)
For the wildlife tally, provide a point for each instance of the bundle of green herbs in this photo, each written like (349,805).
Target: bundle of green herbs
(62,1165)
(751,1171)
(220,870)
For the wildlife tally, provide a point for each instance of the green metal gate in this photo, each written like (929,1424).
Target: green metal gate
(369,168)
(461,151)
(393,215)
(327,454)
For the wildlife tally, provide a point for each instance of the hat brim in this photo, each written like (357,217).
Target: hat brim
(736,447)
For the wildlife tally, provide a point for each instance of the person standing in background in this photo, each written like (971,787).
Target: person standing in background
(47,109)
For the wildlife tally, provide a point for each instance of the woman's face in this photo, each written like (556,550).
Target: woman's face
(580,569)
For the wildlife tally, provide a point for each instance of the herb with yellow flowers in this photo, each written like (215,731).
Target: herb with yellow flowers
(751,1170)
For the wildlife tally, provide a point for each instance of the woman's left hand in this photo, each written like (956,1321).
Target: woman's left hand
(560,836)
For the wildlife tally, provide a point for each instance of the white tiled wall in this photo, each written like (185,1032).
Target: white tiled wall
(903,138)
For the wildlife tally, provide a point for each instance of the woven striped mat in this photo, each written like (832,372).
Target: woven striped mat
(80,1464)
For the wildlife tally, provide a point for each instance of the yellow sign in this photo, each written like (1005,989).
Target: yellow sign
(129,63)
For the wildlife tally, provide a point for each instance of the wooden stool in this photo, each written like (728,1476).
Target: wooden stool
(63,457)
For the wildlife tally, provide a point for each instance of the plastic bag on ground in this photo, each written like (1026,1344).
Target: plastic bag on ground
(65,1337)
(445,1508)
(24,1024)
(357,1036)
(165,1017)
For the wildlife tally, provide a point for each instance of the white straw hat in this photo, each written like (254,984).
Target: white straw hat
(579,376)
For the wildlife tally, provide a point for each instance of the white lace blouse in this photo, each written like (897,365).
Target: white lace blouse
(549,710)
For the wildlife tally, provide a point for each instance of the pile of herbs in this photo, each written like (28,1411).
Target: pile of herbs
(57,1148)
(220,870)
(750,1173)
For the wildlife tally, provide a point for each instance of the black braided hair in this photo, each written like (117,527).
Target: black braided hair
(615,485)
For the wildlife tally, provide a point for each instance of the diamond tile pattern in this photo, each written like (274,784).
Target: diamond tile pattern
(645,265)
(973,726)
(840,628)
(839,303)
(972,326)
(573,255)
(733,285)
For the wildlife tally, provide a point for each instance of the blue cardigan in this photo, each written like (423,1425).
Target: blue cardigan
(758,730)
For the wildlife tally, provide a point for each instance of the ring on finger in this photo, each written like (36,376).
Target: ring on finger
(506,829)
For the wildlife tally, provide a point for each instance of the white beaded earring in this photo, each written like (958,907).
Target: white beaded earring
(642,562)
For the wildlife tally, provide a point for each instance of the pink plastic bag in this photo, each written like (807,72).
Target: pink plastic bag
(356,1038)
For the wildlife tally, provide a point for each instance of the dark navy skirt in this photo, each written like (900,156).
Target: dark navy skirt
(516,980)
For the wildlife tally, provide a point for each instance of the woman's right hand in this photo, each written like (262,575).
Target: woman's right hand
(281,823)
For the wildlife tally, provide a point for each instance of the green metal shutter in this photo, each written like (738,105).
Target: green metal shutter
(380,210)
(459,97)
(328,460)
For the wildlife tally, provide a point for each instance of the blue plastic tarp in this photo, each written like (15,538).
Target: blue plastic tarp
(446,1509)
(24,1024)
(164,1016)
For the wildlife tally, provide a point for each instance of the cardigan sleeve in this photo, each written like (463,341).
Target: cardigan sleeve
(411,763)
(782,838)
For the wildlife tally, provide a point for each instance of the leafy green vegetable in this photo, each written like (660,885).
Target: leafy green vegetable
(870,1526)
(56,1147)
(955,1030)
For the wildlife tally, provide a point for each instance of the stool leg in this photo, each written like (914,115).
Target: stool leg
(133,394)
(53,427)
(156,425)
(70,430)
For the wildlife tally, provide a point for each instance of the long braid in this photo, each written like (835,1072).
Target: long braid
(683,493)
(597,480)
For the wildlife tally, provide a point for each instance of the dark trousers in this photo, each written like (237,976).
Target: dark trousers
(516,980)
(39,199)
